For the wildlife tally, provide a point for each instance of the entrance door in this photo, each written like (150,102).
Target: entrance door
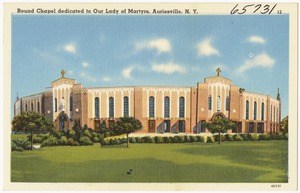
(251,127)
(151,126)
(167,126)
(62,120)
(260,127)
(181,126)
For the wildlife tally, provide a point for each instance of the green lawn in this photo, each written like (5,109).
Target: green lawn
(248,161)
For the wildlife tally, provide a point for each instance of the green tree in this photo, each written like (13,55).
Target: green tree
(284,125)
(31,122)
(126,125)
(102,129)
(219,125)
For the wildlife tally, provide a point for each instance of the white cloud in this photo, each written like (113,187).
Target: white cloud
(85,64)
(71,48)
(256,39)
(106,79)
(168,68)
(206,49)
(161,45)
(261,60)
(195,69)
(87,77)
(127,72)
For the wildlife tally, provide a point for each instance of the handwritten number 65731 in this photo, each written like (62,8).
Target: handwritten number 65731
(266,9)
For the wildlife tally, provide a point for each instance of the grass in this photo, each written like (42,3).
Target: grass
(245,161)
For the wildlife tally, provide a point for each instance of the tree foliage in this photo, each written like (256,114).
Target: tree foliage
(284,125)
(219,125)
(126,125)
(31,122)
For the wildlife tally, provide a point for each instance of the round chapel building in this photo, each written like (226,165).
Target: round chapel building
(161,109)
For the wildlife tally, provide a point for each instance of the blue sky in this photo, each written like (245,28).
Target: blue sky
(104,51)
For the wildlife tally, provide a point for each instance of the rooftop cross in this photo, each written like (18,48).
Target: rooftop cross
(218,70)
(63,73)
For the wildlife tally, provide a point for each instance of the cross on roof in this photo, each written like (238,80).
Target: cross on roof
(218,71)
(63,73)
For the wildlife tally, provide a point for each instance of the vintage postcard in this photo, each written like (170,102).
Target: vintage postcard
(150,96)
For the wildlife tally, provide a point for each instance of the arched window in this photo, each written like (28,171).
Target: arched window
(71,102)
(31,106)
(55,103)
(151,106)
(181,107)
(271,114)
(274,114)
(227,103)
(126,107)
(262,111)
(167,107)
(97,114)
(255,110)
(26,107)
(38,107)
(209,102)
(218,103)
(111,107)
(277,115)
(247,109)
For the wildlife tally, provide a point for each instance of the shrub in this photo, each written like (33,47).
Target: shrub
(166,140)
(238,138)
(104,142)
(72,134)
(175,139)
(132,140)
(187,138)
(87,133)
(210,139)
(122,140)
(22,143)
(275,136)
(72,142)
(51,141)
(94,134)
(114,141)
(245,137)
(148,139)
(13,146)
(158,139)
(264,136)
(138,140)
(201,138)
(85,141)
(216,137)
(57,134)
(95,139)
(38,139)
(254,137)
(193,138)
(229,137)
(281,135)
(63,140)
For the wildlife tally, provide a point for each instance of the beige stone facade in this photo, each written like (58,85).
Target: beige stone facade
(160,109)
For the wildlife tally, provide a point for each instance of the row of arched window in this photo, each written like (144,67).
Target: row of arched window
(218,103)
(38,107)
(255,111)
(111,105)
(166,107)
(71,104)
